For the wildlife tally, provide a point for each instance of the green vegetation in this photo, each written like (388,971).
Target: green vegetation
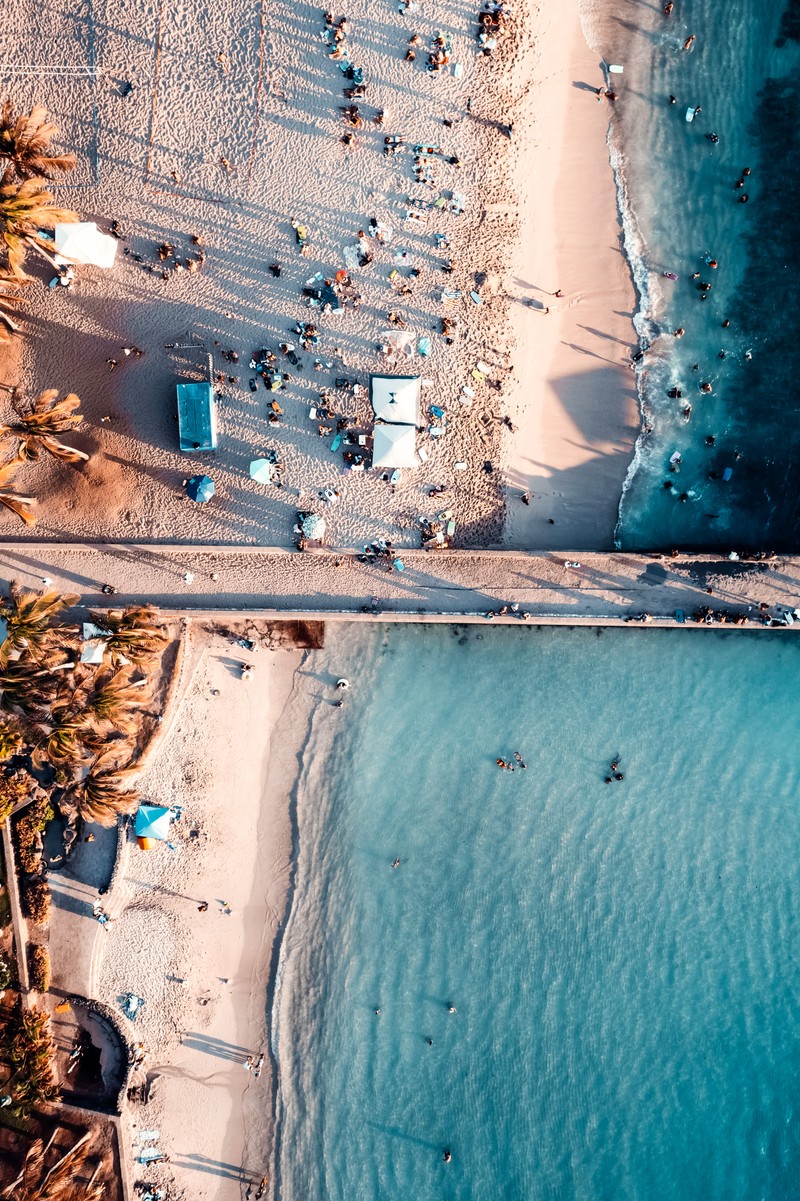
(28,828)
(38,424)
(26,157)
(12,500)
(35,898)
(8,305)
(39,965)
(30,633)
(72,725)
(134,634)
(6,973)
(16,786)
(63,1180)
(27,1048)
(25,145)
(25,209)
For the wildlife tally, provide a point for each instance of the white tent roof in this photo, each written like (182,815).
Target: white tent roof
(82,242)
(395,398)
(93,651)
(313,526)
(395,446)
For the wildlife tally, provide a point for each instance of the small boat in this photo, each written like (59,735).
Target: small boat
(669,275)
(690,114)
(680,616)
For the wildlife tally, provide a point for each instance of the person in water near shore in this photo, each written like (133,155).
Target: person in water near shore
(690,41)
(668,9)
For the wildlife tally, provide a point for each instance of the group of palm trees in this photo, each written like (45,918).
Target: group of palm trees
(70,1177)
(27,162)
(47,1172)
(73,724)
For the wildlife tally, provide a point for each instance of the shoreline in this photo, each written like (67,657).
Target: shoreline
(576,411)
(206,976)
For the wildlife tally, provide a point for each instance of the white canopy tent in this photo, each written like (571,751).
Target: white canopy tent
(82,242)
(395,398)
(394,446)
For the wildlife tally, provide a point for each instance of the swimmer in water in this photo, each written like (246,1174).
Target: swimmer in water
(690,41)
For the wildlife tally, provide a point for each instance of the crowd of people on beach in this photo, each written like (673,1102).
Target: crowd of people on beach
(701,281)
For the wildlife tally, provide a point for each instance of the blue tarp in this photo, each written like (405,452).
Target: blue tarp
(197,417)
(152,821)
(200,488)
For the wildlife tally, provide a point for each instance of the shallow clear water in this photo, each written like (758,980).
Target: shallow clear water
(622,958)
(681,206)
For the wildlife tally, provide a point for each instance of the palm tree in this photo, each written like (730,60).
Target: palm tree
(8,325)
(58,1183)
(40,420)
(132,634)
(28,1048)
(28,617)
(25,209)
(114,701)
(12,739)
(15,502)
(25,145)
(25,689)
(61,742)
(100,795)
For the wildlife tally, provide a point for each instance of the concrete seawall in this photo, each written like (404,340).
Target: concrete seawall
(565,588)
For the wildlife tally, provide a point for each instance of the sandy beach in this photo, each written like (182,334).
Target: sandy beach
(210,129)
(574,402)
(204,976)
(232,119)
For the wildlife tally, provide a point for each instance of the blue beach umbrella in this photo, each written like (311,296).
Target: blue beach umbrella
(152,821)
(261,471)
(200,488)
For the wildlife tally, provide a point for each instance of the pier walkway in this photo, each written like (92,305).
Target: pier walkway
(602,589)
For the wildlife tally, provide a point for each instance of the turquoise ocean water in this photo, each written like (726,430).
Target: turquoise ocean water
(623,958)
(680,205)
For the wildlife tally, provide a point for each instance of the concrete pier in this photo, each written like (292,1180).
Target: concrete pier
(595,589)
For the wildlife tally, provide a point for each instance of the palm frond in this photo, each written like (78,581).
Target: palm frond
(25,144)
(39,421)
(133,634)
(25,209)
(102,794)
(29,618)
